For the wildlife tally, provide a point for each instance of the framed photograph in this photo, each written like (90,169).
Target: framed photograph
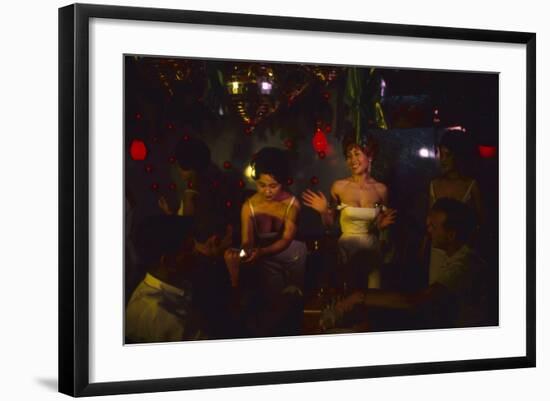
(252,199)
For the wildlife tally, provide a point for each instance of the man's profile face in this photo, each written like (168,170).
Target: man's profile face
(184,255)
(436,229)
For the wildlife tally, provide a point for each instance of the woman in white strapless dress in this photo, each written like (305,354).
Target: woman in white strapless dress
(360,200)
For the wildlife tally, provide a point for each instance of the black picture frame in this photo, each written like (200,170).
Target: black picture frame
(74,194)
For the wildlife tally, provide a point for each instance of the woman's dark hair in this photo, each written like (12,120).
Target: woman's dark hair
(272,161)
(366,143)
(458,143)
(192,154)
(462,147)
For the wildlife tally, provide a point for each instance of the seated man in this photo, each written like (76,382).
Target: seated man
(457,291)
(182,288)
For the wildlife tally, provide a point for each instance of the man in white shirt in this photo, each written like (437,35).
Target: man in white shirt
(457,292)
(171,301)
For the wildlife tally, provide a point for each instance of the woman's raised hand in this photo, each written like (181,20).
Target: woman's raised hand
(315,200)
(163,204)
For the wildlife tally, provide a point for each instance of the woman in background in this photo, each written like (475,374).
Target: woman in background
(456,152)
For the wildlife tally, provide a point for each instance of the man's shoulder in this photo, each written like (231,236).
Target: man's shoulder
(471,256)
(467,260)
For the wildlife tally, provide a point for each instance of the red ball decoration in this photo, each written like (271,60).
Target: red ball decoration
(290,181)
(326,95)
(138,116)
(487,152)
(155,186)
(248,130)
(314,180)
(328,128)
(226,165)
(170,126)
(172,186)
(186,137)
(320,143)
(138,150)
(241,184)
(149,168)
(228,204)
(190,184)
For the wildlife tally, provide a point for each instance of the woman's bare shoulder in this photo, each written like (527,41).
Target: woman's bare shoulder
(251,200)
(380,186)
(339,184)
(295,202)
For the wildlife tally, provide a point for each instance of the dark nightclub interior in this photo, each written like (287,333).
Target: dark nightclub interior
(195,163)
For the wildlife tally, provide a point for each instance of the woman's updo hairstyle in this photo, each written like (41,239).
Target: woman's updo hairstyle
(463,149)
(271,161)
(365,143)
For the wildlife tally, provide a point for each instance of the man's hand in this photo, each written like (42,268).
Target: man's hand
(253,255)
(163,204)
(233,263)
(348,303)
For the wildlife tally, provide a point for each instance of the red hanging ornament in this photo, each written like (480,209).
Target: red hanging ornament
(290,181)
(172,186)
(228,204)
(138,116)
(226,165)
(186,137)
(487,152)
(320,143)
(314,180)
(190,184)
(155,186)
(138,150)
(149,168)
(241,184)
(326,95)
(328,128)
